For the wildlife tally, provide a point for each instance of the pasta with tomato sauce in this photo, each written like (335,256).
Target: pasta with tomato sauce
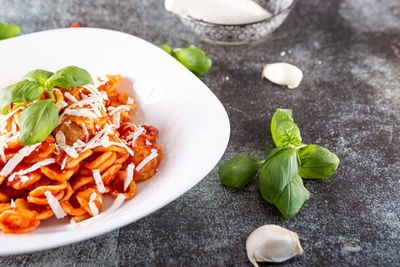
(94,151)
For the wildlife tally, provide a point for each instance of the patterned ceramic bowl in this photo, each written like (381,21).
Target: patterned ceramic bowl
(244,33)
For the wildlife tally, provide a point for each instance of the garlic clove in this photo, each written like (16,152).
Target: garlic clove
(283,74)
(272,243)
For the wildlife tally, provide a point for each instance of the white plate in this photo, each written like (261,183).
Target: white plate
(193,124)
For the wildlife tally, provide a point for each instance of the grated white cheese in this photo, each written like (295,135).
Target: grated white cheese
(88,113)
(14,161)
(116,119)
(116,204)
(13,204)
(130,101)
(34,167)
(2,155)
(63,163)
(92,89)
(123,146)
(24,178)
(85,130)
(148,142)
(13,127)
(70,97)
(55,205)
(61,104)
(122,107)
(153,155)
(92,205)
(129,175)
(98,181)
(132,136)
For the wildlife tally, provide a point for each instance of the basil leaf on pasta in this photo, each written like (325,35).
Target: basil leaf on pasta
(38,76)
(69,77)
(21,92)
(37,121)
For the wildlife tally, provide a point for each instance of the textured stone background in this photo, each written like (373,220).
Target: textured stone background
(348,102)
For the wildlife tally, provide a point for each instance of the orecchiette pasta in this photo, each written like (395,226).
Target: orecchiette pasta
(93,151)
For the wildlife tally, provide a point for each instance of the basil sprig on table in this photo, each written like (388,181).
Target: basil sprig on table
(8,30)
(40,118)
(191,57)
(281,173)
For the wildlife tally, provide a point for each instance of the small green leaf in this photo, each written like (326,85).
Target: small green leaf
(21,92)
(37,121)
(287,133)
(194,59)
(166,48)
(38,76)
(317,162)
(69,77)
(280,168)
(292,198)
(8,30)
(283,129)
(238,171)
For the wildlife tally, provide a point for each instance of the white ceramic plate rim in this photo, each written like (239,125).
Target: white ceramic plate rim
(59,239)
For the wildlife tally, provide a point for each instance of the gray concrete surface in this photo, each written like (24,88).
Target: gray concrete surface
(349,102)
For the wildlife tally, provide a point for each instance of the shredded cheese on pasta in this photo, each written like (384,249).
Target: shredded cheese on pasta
(153,155)
(99,181)
(129,175)
(92,205)
(34,167)
(55,205)
(14,161)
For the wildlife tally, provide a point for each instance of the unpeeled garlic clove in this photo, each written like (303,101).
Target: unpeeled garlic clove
(283,74)
(272,243)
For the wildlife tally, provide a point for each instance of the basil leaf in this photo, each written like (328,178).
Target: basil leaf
(21,92)
(281,166)
(69,77)
(194,59)
(283,129)
(238,171)
(287,133)
(8,30)
(37,121)
(292,198)
(317,162)
(38,76)
(167,49)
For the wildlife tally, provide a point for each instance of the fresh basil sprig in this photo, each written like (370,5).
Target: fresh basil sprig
(280,175)
(191,57)
(39,119)
(8,30)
